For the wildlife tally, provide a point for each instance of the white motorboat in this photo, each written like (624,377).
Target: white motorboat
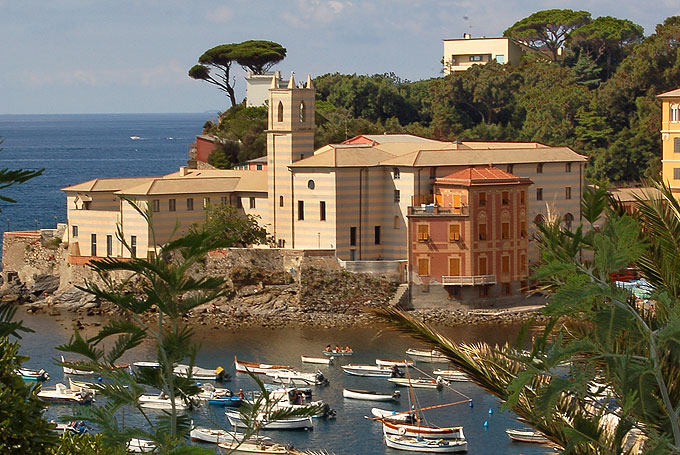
(425,445)
(202,374)
(75,371)
(369,395)
(432,356)
(318,360)
(415,430)
(292,423)
(33,375)
(392,416)
(297,378)
(294,399)
(452,375)
(162,401)
(419,383)
(217,436)
(257,368)
(62,394)
(527,435)
(135,445)
(372,371)
(253,447)
(391,363)
(81,386)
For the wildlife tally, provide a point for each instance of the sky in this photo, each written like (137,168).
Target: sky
(132,56)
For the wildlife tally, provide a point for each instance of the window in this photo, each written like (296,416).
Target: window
(454,232)
(239,203)
(311,184)
(74,231)
(539,194)
(87,205)
(522,198)
(676,173)
(539,168)
(206,202)
(676,145)
(302,112)
(523,264)
(133,246)
(280,113)
(567,167)
(396,222)
(500,58)
(376,234)
(353,236)
(482,199)
(482,231)
(252,202)
(523,230)
(301,210)
(505,265)
(505,198)
(423,266)
(423,232)
(675,113)
(454,266)
(505,231)
(223,200)
(507,289)
(93,245)
(156,205)
(476,58)
(396,173)
(568,220)
(109,245)
(322,210)
(190,204)
(280,201)
(172,205)
(397,196)
(352,255)
(482,265)
(510,168)
(567,192)
(259,167)
(457,206)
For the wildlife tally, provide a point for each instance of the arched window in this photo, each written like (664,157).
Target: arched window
(280,118)
(675,113)
(568,220)
(302,111)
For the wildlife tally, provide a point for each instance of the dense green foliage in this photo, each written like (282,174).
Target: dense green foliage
(241,135)
(234,227)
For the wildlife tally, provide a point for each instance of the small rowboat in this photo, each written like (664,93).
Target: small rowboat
(373,371)
(296,378)
(339,353)
(391,363)
(62,394)
(257,368)
(33,375)
(319,360)
(527,435)
(432,356)
(202,374)
(219,396)
(135,445)
(425,445)
(216,436)
(81,386)
(161,402)
(252,447)
(74,371)
(420,383)
(368,395)
(392,416)
(422,431)
(452,375)
(291,423)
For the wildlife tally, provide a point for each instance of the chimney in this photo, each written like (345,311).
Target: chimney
(467,36)
(182,171)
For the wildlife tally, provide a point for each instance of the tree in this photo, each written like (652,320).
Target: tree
(548,28)
(258,56)
(232,226)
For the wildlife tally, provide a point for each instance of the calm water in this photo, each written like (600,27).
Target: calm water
(77,148)
(349,433)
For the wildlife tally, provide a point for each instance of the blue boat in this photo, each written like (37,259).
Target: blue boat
(233,401)
(33,375)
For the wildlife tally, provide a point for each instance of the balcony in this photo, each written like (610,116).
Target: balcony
(436,210)
(475,280)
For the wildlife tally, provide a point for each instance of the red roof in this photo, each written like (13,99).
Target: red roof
(486,175)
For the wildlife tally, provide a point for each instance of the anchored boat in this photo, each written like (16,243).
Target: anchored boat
(370,395)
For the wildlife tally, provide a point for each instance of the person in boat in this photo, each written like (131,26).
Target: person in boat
(396,372)
(328,348)
(337,348)
(240,394)
(347,349)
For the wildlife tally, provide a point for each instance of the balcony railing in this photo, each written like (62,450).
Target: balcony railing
(432,210)
(475,280)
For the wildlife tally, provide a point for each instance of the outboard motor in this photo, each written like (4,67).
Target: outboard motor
(396,372)
(329,412)
(321,379)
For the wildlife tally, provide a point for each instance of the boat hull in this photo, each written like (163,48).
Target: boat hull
(452,375)
(423,431)
(417,383)
(392,416)
(367,371)
(531,436)
(215,436)
(427,356)
(257,368)
(283,424)
(368,395)
(391,363)
(430,446)
(247,447)
(317,360)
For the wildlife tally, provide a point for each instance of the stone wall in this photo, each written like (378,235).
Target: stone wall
(28,254)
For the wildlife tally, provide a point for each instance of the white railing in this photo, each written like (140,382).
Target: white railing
(474,280)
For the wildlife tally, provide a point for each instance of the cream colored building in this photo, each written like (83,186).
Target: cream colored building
(670,138)
(461,54)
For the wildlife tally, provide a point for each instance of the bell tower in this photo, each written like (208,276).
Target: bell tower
(290,138)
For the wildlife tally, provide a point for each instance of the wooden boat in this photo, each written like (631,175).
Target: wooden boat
(33,375)
(432,356)
(369,395)
(81,386)
(217,436)
(292,423)
(74,371)
(202,374)
(295,378)
(391,363)
(416,430)
(527,435)
(295,399)
(425,445)
(62,394)
(372,371)
(257,368)
(452,375)
(162,401)
(135,445)
(252,447)
(392,416)
(319,360)
(419,383)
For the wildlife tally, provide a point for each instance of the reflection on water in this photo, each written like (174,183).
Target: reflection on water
(349,433)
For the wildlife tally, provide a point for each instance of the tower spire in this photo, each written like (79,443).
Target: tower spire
(310,85)
(291,82)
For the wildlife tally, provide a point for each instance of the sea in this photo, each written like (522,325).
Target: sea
(76,148)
